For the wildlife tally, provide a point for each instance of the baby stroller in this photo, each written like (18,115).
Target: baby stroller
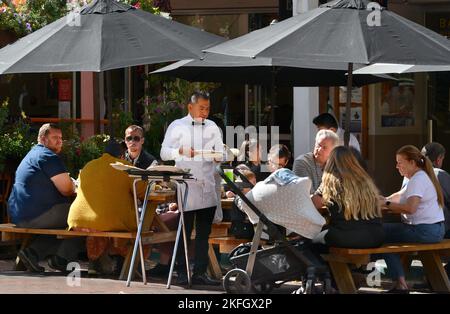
(259,270)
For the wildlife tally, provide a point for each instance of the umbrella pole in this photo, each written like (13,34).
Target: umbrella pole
(273,97)
(109,100)
(348,107)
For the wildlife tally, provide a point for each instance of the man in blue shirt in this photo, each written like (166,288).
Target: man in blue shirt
(39,199)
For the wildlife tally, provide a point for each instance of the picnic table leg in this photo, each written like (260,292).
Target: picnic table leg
(126,263)
(214,266)
(19,266)
(343,277)
(434,271)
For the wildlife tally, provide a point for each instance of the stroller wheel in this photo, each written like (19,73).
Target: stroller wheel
(237,281)
(263,287)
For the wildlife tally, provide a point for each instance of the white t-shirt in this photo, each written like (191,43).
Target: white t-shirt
(428,211)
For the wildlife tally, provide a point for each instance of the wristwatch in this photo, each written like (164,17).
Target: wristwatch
(387,203)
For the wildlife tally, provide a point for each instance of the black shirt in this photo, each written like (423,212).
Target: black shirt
(143,161)
(353,233)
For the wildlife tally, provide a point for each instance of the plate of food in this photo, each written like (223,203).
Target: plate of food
(209,154)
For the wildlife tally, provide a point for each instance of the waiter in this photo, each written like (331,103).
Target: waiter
(187,141)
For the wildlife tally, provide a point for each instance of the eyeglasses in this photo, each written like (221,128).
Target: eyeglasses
(133,138)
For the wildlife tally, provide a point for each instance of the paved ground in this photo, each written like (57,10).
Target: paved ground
(55,282)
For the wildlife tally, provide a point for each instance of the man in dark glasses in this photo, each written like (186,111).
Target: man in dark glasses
(134,138)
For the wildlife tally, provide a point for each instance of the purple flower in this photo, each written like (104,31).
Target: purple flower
(28,26)
(157,110)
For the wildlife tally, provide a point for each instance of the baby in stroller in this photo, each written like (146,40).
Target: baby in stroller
(282,199)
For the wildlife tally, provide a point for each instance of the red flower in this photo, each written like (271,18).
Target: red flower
(137,5)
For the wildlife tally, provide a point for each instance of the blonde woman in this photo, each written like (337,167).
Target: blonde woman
(420,204)
(353,202)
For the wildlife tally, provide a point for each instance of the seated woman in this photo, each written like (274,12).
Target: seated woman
(105,202)
(352,200)
(420,204)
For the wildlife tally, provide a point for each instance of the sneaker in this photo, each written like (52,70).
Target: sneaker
(159,270)
(182,279)
(31,260)
(205,280)
(58,263)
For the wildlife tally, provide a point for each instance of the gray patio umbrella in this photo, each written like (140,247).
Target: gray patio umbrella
(106,35)
(341,35)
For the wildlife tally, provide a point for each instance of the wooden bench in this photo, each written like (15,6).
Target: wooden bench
(430,255)
(148,237)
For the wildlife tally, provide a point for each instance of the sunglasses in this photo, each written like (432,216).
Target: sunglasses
(133,138)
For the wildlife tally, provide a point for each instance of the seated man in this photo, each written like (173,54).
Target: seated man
(311,164)
(135,154)
(39,199)
(105,202)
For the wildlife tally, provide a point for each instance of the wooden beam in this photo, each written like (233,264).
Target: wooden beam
(343,277)
(435,272)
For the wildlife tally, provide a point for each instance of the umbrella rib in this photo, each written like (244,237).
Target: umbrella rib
(422,33)
(175,39)
(362,39)
(270,42)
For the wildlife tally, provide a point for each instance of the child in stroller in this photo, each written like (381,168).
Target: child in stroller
(260,270)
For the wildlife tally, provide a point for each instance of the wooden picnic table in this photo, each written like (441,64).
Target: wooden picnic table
(148,237)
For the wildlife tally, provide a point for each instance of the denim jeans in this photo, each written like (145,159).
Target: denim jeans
(400,232)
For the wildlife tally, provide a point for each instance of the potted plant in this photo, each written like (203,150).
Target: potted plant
(15,140)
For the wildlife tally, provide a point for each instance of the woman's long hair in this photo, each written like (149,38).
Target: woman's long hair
(348,185)
(410,152)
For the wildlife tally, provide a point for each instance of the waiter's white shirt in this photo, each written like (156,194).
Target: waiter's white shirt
(182,133)
(353,140)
